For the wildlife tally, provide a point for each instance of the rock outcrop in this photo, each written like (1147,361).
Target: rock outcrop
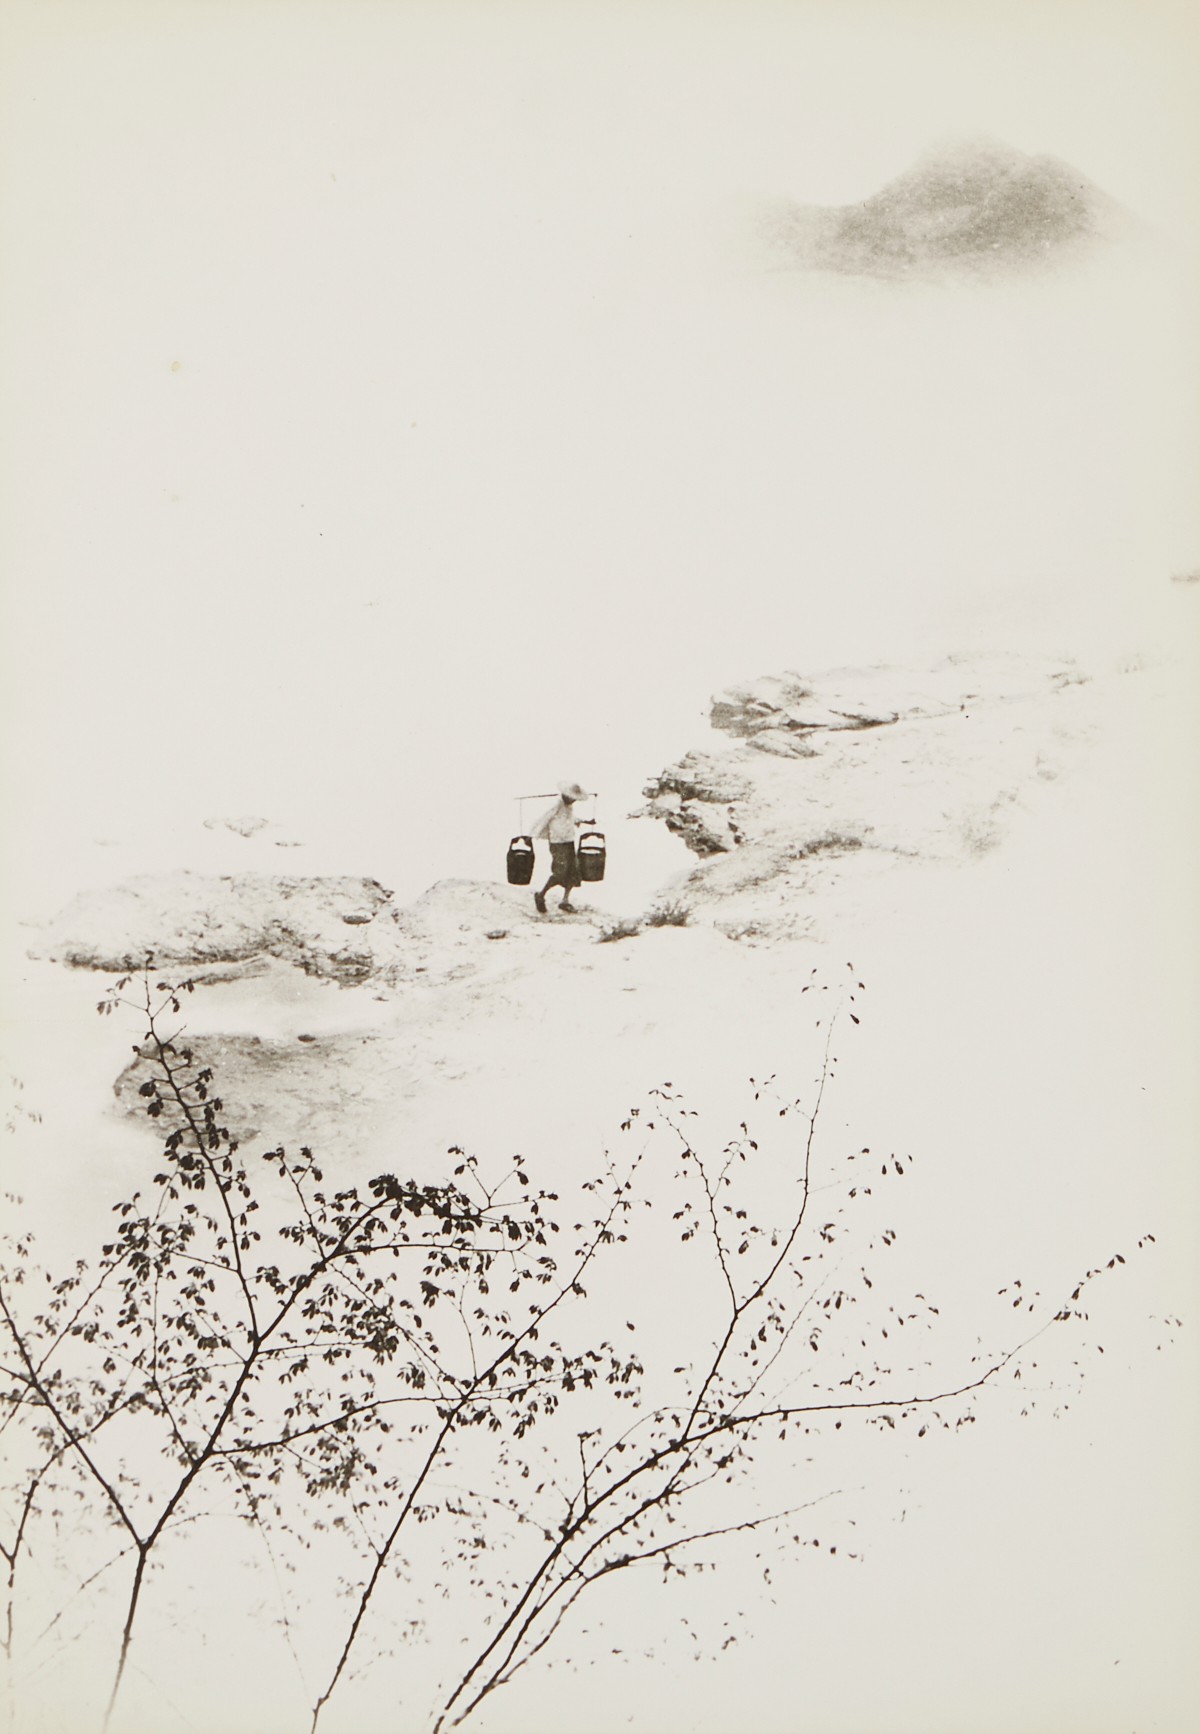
(694,798)
(876,764)
(228,925)
(880,765)
(810,798)
(266,1084)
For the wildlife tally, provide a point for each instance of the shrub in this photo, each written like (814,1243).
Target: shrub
(624,929)
(675,914)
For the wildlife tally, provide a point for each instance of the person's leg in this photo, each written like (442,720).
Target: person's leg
(570,878)
(539,897)
(563,868)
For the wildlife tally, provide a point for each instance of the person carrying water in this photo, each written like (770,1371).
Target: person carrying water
(557,825)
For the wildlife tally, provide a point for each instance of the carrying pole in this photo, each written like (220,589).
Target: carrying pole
(553,796)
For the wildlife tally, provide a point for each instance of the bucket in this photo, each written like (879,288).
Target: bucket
(520,861)
(590,854)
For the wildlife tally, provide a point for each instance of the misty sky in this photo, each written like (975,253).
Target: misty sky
(403,391)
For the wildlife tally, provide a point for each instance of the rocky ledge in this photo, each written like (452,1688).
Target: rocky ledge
(809,800)
(222,925)
(871,763)
(854,770)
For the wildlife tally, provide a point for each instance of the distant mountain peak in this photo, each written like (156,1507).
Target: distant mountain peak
(965,205)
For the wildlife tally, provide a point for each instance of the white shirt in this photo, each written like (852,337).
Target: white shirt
(557,824)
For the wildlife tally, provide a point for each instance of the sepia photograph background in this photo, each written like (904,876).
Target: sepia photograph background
(409,406)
